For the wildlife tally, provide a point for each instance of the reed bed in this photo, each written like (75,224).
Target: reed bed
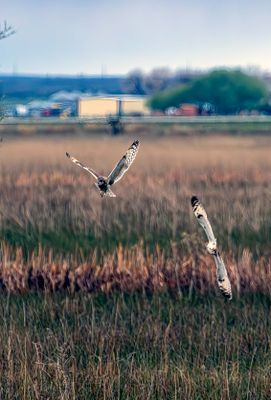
(129,270)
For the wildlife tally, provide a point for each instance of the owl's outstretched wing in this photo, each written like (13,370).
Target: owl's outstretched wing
(89,170)
(222,276)
(221,272)
(203,220)
(124,164)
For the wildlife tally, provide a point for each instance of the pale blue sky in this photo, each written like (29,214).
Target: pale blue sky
(86,36)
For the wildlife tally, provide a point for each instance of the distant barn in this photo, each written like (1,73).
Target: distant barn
(103,106)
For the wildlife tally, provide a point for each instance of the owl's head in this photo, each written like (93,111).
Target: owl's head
(101,181)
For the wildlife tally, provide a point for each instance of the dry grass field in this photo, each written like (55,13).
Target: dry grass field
(117,298)
(56,230)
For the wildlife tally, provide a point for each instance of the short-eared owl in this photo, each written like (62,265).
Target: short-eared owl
(221,272)
(104,183)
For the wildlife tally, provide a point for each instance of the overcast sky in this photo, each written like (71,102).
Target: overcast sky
(116,36)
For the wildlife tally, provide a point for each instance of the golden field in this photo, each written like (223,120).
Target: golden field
(56,227)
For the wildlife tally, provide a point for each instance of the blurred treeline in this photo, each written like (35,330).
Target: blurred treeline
(136,83)
(228,91)
(41,87)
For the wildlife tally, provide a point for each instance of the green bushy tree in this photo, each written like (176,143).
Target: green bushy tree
(229,91)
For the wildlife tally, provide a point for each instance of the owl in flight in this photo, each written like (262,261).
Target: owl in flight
(221,272)
(104,183)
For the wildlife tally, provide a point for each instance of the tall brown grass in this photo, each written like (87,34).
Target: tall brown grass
(131,270)
(54,224)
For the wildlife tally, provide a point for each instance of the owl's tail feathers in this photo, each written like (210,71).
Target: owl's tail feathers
(109,193)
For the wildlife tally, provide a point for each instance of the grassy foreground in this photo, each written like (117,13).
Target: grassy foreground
(134,347)
(117,299)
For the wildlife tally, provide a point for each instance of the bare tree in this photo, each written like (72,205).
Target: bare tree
(158,79)
(6,30)
(134,83)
